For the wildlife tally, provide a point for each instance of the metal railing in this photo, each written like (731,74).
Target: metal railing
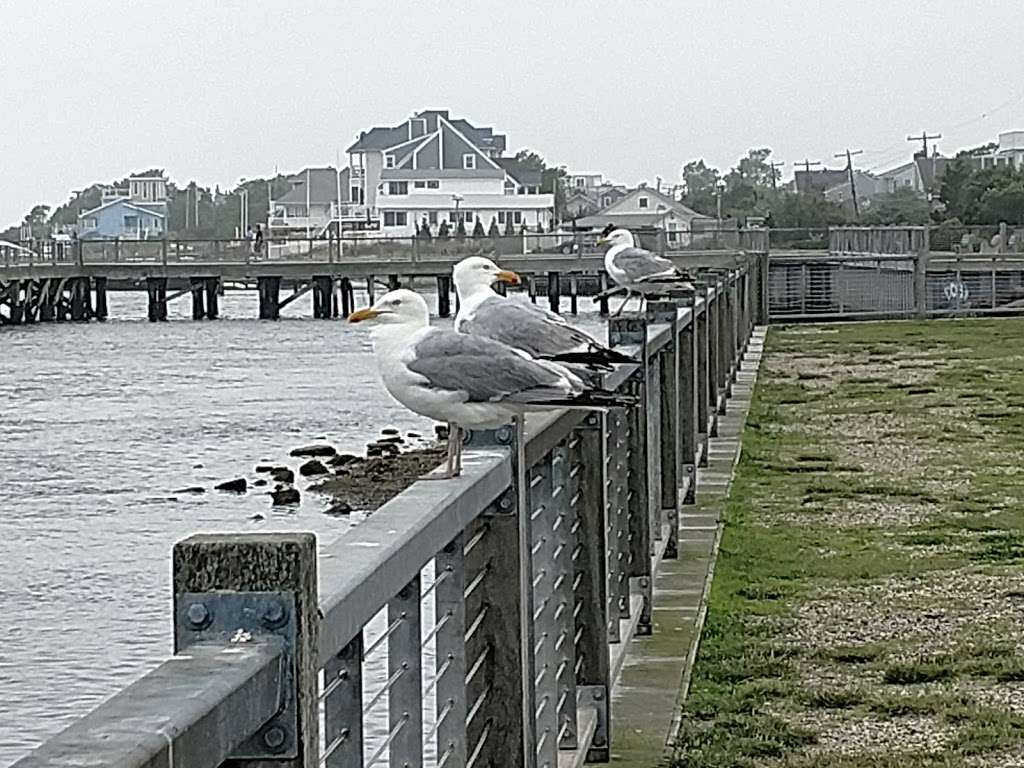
(507,595)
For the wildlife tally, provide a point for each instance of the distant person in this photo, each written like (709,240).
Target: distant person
(249,235)
(259,240)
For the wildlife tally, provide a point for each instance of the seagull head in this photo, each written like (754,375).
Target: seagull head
(476,272)
(401,307)
(617,237)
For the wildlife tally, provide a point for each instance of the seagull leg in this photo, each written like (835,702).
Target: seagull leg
(622,306)
(458,449)
(454,444)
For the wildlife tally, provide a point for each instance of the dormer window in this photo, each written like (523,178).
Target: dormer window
(469,162)
(389,161)
(643,202)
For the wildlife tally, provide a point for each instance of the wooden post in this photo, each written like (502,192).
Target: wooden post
(101,298)
(212,297)
(270,304)
(921,273)
(197,287)
(79,299)
(444,287)
(394,283)
(347,297)
(371,289)
(156,290)
(230,565)
(603,301)
(573,294)
(554,291)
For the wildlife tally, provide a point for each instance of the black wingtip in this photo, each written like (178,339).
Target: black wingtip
(602,359)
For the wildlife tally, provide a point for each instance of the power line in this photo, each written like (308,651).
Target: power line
(807,165)
(849,170)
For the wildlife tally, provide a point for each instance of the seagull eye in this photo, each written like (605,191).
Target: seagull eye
(395,302)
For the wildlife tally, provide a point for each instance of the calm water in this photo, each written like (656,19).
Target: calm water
(100,423)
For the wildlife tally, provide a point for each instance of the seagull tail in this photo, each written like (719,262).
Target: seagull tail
(603,398)
(600,358)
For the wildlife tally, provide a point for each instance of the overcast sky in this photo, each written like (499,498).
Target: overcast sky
(217,91)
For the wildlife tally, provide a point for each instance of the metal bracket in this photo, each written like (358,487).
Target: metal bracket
(238,617)
(662,310)
(596,696)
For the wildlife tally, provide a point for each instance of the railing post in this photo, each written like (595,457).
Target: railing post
(563,596)
(343,707)
(669,459)
(590,583)
(450,653)
(921,273)
(231,587)
(703,318)
(500,634)
(405,698)
(689,420)
(638,497)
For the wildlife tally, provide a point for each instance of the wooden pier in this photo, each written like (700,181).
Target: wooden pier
(70,283)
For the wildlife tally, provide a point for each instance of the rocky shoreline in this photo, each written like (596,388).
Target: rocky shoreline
(347,481)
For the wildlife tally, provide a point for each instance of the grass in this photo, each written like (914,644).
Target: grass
(918,424)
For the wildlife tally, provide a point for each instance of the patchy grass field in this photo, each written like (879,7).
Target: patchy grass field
(868,602)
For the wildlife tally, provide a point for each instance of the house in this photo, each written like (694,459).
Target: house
(433,168)
(138,211)
(309,207)
(867,185)
(1009,150)
(588,193)
(815,182)
(648,208)
(919,175)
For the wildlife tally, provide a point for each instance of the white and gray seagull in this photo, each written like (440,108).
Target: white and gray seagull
(638,270)
(537,331)
(467,381)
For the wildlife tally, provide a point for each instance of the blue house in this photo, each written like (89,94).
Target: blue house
(136,213)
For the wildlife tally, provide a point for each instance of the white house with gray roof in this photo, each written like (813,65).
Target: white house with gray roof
(433,168)
(646,208)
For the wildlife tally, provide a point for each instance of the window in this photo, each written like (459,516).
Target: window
(518,217)
(469,162)
(643,202)
(419,184)
(510,188)
(131,222)
(533,190)
(389,161)
(354,194)
(521,190)
(453,217)
(501,217)
(395,218)
(398,187)
(606,201)
(581,182)
(468,216)
(432,217)
(433,184)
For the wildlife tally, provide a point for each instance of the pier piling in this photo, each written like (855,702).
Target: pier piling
(212,297)
(270,297)
(198,288)
(347,296)
(156,290)
(554,291)
(100,284)
(573,294)
(444,288)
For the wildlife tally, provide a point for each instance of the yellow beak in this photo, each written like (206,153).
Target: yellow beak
(507,276)
(601,241)
(363,314)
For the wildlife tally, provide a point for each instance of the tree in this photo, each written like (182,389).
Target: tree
(460,229)
(509,229)
(902,206)
(478,228)
(38,221)
(424,230)
(442,231)
(552,179)
(493,231)
(700,183)
(1004,202)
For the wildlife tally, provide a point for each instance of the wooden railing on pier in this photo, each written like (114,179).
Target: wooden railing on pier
(543,556)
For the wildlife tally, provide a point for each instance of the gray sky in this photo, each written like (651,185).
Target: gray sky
(216,91)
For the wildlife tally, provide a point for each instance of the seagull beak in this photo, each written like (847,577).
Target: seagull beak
(363,314)
(602,241)
(507,276)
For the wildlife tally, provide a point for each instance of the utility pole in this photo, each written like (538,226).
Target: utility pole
(774,165)
(923,138)
(849,170)
(807,164)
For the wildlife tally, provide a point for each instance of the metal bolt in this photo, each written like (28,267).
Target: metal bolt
(598,694)
(599,740)
(506,501)
(274,614)
(274,737)
(198,616)
(504,435)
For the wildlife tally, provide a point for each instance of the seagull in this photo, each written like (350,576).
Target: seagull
(468,381)
(638,270)
(537,331)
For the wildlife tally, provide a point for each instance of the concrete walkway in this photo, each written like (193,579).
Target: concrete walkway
(656,674)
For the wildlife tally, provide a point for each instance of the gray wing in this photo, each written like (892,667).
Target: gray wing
(639,265)
(486,370)
(526,327)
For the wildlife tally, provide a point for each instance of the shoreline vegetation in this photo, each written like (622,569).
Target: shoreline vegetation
(868,601)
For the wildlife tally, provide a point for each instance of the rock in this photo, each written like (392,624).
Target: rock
(282,475)
(238,485)
(265,468)
(317,449)
(344,459)
(390,449)
(393,439)
(373,450)
(313,467)
(257,516)
(197,466)
(389,431)
(413,435)
(441,430)
(339,509)
(259,483)
(195,489)
(285,497)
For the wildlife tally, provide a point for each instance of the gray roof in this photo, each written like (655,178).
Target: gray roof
(627,220)
(323,186)
(524,176)
(447,173)
(383,137)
